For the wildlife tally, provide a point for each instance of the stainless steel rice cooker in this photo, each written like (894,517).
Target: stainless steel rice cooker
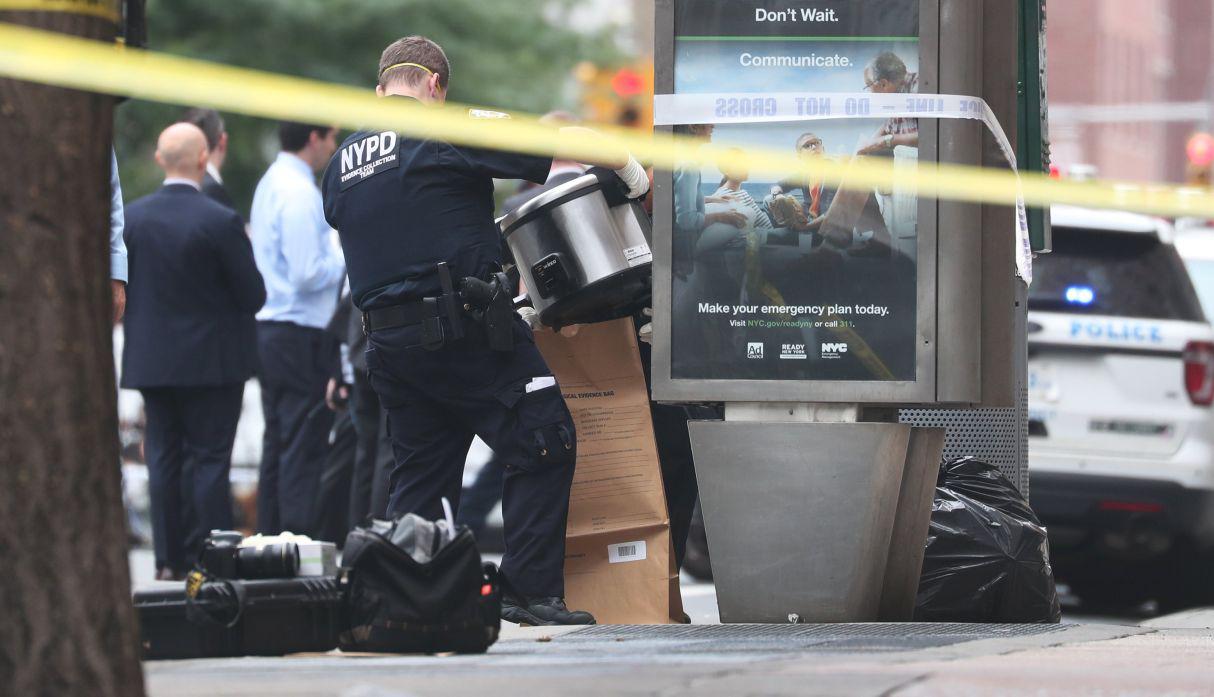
(581,259)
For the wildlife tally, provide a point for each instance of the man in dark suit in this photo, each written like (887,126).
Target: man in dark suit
(212,127)
(190,342)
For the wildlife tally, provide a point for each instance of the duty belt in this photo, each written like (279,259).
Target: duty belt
(486,302)
(405,315)
(427,313)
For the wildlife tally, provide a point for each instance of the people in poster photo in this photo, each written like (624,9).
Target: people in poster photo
(783,277)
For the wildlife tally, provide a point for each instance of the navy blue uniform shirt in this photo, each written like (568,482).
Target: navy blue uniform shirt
(402,205)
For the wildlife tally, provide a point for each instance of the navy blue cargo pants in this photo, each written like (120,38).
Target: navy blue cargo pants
(438,400)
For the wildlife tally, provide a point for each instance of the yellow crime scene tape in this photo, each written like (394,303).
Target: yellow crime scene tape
(63,61)
(105,9)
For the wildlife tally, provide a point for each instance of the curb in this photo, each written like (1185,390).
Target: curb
(1197,618)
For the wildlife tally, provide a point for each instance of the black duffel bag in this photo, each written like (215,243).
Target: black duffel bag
(396,604)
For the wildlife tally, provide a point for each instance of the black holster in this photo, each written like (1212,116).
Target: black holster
(490,305)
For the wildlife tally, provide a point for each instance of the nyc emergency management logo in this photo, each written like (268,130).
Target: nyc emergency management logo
(831,351)
(368,156)
(754,350)
(794,352)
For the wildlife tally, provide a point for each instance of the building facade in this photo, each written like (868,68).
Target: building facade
(1129,81)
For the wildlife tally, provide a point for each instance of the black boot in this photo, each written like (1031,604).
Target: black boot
(541,611)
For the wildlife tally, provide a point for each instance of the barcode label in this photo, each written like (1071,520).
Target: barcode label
(626,551)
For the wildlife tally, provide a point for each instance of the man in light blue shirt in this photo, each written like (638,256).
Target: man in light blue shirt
(118,275)
(303,272)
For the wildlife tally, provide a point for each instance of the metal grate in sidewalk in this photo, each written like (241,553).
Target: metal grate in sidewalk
(816,637)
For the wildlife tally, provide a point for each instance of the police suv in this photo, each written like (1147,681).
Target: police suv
(1121,433)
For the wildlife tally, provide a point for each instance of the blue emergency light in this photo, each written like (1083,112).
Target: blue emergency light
(1080,295)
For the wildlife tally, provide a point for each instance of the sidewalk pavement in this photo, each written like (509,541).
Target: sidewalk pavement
(743,660)
(1171,655)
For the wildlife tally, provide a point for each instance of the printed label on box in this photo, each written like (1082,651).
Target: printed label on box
(626,551)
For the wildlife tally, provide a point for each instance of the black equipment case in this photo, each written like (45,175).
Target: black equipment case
(241,618)
(397,605)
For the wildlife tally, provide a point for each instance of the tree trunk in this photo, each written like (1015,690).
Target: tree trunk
(67,626)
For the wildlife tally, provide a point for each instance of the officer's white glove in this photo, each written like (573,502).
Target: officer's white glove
(530,316)
(645,333)
(634,175)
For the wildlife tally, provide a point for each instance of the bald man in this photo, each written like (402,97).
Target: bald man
(190,344)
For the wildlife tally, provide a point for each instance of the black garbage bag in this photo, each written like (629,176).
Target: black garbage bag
(987,557)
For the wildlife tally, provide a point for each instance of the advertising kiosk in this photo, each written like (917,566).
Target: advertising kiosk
(817,314)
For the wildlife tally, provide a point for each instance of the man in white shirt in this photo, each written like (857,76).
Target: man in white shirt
(118,266)
(303,271)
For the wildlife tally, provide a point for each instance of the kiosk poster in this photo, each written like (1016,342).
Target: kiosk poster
(776,277)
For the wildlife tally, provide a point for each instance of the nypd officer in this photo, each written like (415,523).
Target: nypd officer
(447,354)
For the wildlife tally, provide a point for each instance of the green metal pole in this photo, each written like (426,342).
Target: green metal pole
(1033,143)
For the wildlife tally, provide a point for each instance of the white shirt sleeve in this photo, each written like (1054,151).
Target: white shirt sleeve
(118,266)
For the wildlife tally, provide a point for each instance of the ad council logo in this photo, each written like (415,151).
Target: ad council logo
(754,349)
(833,350)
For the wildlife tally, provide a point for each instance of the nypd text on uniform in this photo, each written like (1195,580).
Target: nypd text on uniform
(360,158)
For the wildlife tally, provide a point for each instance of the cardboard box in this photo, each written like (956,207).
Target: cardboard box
(619,563)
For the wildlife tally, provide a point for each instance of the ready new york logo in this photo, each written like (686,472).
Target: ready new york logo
(794,352)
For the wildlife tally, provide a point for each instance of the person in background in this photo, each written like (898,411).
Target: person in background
(211,124)
(700,233)
(731,196)
(190,343)
(118,260)
(854,220)
(887,74)
(303,270)
(707,247)
(350,387)
(815,197)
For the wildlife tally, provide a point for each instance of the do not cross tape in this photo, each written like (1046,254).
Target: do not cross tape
(758,107)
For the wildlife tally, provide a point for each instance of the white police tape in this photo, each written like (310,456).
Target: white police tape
(785,107)
(744,107)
